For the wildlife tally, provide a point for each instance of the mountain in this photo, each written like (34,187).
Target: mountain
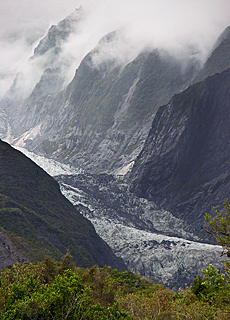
(101,120)
(219,59)
(151,241)
(59,33)
(39,221)
(184,165)
(44,75)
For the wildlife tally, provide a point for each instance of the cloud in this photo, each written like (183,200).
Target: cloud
(180,26)
(168,24)
(22,24)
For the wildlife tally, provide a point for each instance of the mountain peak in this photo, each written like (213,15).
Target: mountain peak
(219,60)
(59,33)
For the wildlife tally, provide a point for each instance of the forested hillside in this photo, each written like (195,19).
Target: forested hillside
(39,220)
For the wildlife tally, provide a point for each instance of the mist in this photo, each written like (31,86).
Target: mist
(184,28)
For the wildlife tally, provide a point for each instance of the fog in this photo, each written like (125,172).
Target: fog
(183,27)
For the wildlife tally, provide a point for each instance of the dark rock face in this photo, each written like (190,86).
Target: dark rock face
(100,122)
(184,165)
(40,221)
(102,118)
(219,59)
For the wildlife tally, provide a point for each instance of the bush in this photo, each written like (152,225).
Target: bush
(213,287)
(64,298)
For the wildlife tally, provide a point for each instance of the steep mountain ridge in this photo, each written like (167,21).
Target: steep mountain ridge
(184,166)
(102,119)
(39,220)
(47,65)
(57,34)
(219,59)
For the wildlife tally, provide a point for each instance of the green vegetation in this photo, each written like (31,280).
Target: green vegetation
(40,221)
(25,294)
(45,224)
(213,287)
(220,227)
(59,290)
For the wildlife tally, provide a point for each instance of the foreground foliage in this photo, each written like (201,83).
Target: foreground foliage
(219,228)
(48,291)
(52,290)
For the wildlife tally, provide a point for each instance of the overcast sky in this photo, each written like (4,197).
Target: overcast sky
(159,23)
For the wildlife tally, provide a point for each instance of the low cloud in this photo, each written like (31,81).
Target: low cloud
(183,27)
(23,23)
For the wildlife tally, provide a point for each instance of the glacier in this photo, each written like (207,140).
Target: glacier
(151,241)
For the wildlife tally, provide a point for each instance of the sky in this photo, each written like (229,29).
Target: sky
(175,25)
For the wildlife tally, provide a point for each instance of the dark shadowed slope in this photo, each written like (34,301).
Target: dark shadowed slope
(185,163)
(39,220)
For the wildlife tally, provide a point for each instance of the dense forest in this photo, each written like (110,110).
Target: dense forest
(59,290)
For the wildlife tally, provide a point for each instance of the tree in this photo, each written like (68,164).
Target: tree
(219,228)
(66,297)
(213,287)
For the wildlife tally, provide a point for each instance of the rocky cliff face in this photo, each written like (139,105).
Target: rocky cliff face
(219,59)
(103,117)
(101,120)
(9,255)
(47,73)
(184,165)
(58,34)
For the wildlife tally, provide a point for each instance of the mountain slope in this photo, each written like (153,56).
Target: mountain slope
(151,241)
(219,59)
(103,117)
(184,165)
(39,220)
(45,73)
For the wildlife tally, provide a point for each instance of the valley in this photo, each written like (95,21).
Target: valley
(138,146)
(151,241)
